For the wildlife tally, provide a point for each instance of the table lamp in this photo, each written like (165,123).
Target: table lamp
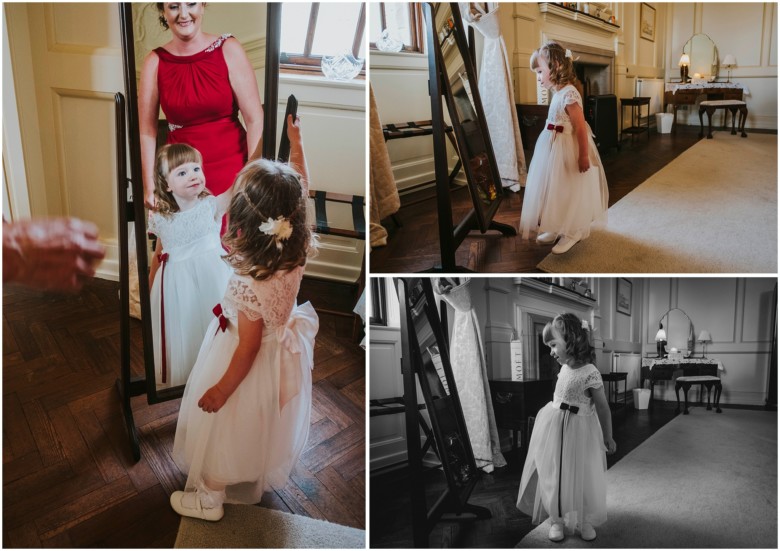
(685,61)
(704,338)
(729,62)
(660,340)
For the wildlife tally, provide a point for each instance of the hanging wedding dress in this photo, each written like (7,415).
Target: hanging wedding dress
(498,97)
(470,370)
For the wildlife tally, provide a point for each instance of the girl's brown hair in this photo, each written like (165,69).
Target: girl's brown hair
(266,190)
(561,67)
(569,328)
(169,157)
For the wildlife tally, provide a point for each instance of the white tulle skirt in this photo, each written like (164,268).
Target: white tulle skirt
(564,476)
(192,281)
(558,197)
(252,443)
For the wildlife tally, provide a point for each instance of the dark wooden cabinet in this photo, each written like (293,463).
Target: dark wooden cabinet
(532,118)
(515,401)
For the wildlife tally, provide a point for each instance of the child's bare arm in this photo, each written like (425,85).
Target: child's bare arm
(297,157)
(581,133)
(250,334)
(605,417)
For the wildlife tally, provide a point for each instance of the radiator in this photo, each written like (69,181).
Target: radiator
(654,89)
(629,363)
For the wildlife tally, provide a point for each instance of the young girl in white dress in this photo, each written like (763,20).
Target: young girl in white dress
(244,417)
(566,190)
(188,274)
(564,473)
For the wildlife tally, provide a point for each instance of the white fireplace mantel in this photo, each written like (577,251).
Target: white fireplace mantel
(553,11)
(560,294)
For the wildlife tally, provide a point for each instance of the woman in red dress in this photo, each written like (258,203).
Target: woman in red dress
(201,81)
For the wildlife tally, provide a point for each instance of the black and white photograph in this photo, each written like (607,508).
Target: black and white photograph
(614,446)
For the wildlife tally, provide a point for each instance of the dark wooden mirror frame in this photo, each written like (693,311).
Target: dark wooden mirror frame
(130,210)
(481,216)
(416,299)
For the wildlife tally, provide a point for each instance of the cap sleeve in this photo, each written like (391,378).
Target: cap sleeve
(241,296)
(593,379)
(571,95)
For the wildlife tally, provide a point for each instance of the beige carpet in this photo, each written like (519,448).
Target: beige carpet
(711,210)
(704,480)
(248,526)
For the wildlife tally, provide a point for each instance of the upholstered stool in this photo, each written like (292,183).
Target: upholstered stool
(710,106)
(707,381)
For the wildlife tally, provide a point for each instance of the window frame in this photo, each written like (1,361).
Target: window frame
(378,301)
(305,63)
(416,23)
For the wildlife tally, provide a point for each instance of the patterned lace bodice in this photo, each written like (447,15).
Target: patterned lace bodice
(572,384)
(563,97)
(272,299)
(182,228)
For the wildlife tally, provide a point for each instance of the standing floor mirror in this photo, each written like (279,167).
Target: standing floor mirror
(258,27)
(453,77)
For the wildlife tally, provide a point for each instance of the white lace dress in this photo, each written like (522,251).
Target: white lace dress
(564,474)
(470,370)
(191,281)
(253,441)
(558,197)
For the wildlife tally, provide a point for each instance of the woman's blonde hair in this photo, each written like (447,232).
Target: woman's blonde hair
(267,190)
(561,67)
(168,158)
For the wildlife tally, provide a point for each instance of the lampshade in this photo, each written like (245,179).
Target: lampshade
(704,336)
(685,59)
(661,335)
(729,61)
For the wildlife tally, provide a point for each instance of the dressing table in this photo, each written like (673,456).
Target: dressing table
(678,93)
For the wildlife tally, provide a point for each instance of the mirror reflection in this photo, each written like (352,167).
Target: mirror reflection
(200,118)
(704,57)
(475,155)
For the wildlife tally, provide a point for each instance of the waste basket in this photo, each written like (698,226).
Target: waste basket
(663,122)
(641,398)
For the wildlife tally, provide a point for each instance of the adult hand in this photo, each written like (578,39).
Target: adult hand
(58,254)
(150,200)
(212,400)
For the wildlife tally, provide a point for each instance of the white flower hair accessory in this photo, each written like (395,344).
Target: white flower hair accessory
(585,325)
(280,228)
(569,54)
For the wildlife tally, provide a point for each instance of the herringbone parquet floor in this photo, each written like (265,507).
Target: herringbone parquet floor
(68,476)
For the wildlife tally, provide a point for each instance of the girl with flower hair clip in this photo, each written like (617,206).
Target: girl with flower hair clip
(566,190)
(564,473)
(244,416)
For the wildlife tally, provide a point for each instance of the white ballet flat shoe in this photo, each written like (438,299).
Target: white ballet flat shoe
(546,238)
(556,532)
(566,243)
(587,532)
(188,504)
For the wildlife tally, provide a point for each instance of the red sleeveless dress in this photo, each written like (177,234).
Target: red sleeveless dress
(202,111)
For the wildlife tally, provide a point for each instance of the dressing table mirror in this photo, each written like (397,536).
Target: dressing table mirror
(704,57)
(680,333)
(257,27)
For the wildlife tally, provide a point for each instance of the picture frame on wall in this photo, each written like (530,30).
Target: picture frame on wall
(623,296)
(647,22)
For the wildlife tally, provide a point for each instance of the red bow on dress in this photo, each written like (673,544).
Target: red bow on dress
(223,322)
(557,128)
(162,258)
